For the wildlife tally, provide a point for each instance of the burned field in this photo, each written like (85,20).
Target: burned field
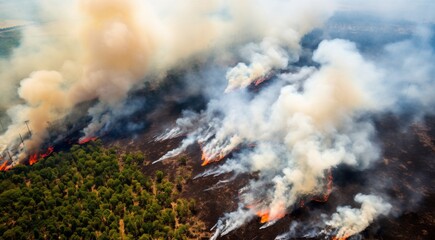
(403,174)
(279,119)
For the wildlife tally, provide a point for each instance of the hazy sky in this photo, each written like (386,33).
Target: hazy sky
(413,10)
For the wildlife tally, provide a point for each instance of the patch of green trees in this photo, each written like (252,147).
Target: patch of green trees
(90,192)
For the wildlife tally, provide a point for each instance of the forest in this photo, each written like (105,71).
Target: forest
(90,192)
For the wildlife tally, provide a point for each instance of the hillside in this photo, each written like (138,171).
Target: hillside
(89,192)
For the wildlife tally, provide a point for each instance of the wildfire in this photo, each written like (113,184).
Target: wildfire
(339,238)
(206,160)
(35,157)
(86,140)
(266,217)
(5,166)
(328,191)
(47,153)
(259,81)
(263,78)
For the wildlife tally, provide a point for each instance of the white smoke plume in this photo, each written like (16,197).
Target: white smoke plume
(102,50)
(300,127)
(290,133)
(307,122)
(113,58)
(350,221)
(281,44)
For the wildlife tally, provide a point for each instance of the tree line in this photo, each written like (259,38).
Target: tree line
(90,192)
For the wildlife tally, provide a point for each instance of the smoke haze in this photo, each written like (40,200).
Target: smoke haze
(278,108)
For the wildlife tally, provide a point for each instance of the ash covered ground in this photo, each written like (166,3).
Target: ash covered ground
(405,174)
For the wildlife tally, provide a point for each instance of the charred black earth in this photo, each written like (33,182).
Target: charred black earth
(405,173)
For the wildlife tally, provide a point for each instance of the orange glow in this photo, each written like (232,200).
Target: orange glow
(265,216)
(259,81)
(209,159)
(328,191)
(339,238)
(4,166)
(47,153)
(87,139)
(263,78)
(33,159)
(206,160)
(264,213)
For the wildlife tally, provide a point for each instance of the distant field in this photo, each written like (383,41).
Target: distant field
(9,36)
(11,23)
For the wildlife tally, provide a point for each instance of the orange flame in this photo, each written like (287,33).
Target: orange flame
(35,157)
(265,216)
(264,213)
(4,166)
(263,78)
(32,159)
(339,238)
(328,191)
(260,81)
(47,153)
(86,140)
(206,160)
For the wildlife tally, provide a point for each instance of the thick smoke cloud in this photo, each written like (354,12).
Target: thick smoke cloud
(113,60)
(301,126)
(102,50)
(350,221)
(290,133)
(281,44)
(410,73)
(306,122)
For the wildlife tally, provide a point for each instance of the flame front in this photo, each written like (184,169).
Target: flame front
(328,191)
(207,159)
(339,238)
(265,216)
(5,166)
(33,159)
(86,140)
(47,153)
